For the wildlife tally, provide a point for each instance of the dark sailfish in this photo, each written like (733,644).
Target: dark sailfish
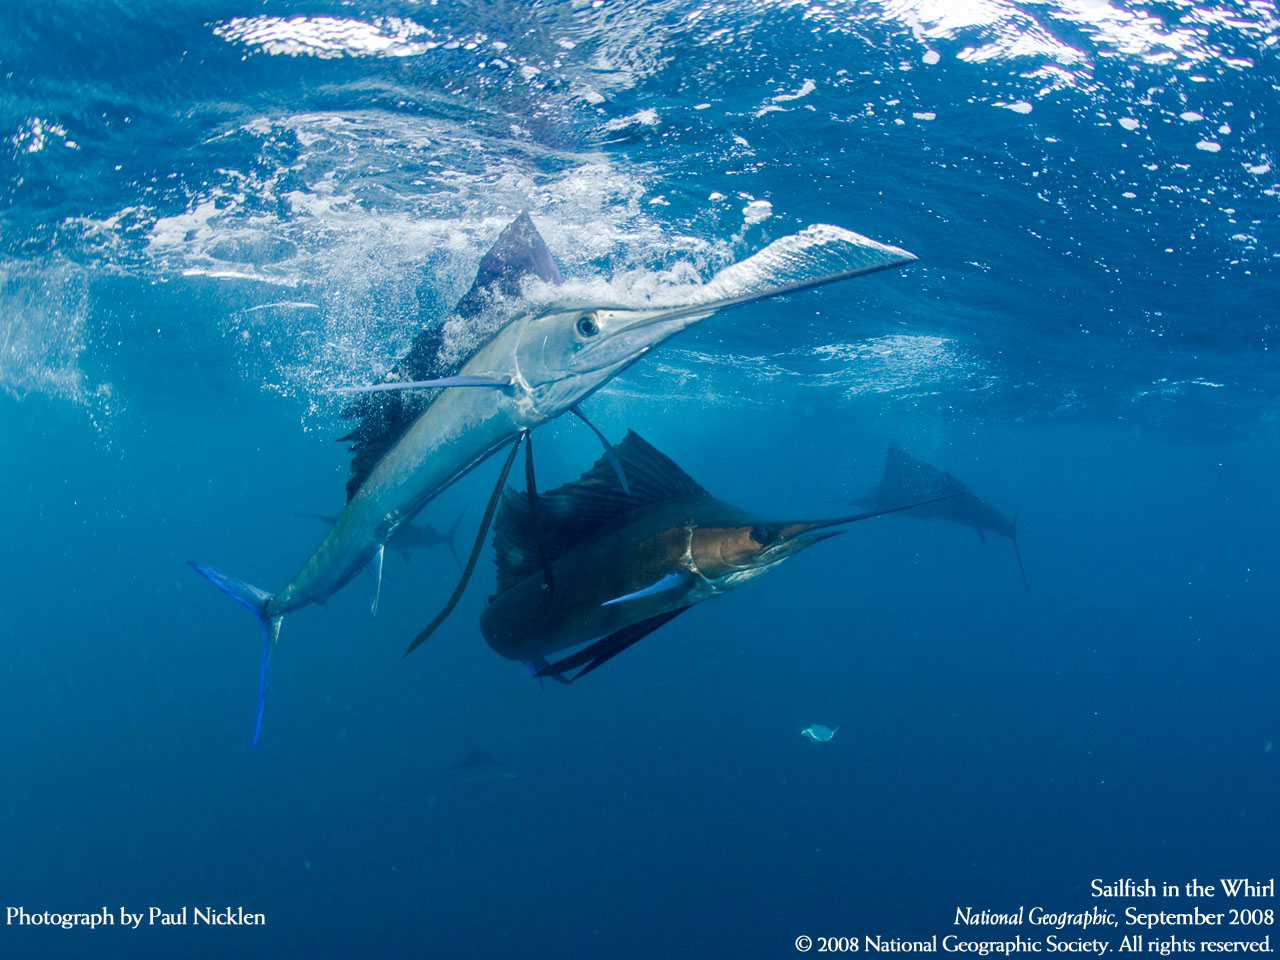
(591,563)
(906,478)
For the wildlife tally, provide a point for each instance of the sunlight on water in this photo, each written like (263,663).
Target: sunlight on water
(376,206)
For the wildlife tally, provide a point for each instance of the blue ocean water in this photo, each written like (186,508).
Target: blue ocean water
(211,216)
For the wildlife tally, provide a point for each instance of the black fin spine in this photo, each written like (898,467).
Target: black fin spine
(475,552)
(535,509)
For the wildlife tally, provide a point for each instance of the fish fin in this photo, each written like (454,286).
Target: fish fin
(475,552)
(905,475)
(655,477)
(578,510)
(404,555)
(1013,538)
(818,255)
(327,518)
(450,538)
(671,581)
(981,535)
(375,567)
(271,636)
(539,667)
(602,651)
(609,452)
(461,381)
(535,512)
(946,497)
(255,600)
(518,254)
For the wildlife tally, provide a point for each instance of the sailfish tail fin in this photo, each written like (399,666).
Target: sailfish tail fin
(256,601)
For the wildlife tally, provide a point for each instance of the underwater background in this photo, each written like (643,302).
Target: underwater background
(213,213)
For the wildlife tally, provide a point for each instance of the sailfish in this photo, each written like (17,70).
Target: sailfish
(414,536)
(598,567)
(907,477)
(440,416)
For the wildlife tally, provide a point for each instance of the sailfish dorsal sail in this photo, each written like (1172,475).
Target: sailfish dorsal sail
(517,255)
(582,508)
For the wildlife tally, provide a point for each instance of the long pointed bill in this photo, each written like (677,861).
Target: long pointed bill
(794,537)
(816,256)
(855,517)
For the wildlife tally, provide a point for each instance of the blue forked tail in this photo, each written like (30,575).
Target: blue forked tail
(255,600)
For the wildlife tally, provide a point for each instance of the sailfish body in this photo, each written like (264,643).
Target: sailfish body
(623,563)
(603,545)
(424,431)
(906,477)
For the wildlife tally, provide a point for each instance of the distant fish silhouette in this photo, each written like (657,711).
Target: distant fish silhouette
(412,536)
(477,767)
(906,478)
(818,733)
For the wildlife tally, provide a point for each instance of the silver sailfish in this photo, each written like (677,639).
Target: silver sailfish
(439,418)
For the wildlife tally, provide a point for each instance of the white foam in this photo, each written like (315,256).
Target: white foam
(998,30)
(805,89)
(329,37)
(37,133)
(757,211)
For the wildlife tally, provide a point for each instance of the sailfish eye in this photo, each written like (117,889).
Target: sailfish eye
(587,326)
(763,535)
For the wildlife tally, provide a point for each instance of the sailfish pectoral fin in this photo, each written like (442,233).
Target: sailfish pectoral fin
(375,567)
(475,551)
(535,511)
(670,582)
(602,651)
(1013,538)
(452,536)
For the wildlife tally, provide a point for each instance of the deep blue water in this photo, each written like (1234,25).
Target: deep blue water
(211,216)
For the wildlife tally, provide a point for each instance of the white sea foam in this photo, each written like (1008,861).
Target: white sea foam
(330,37)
